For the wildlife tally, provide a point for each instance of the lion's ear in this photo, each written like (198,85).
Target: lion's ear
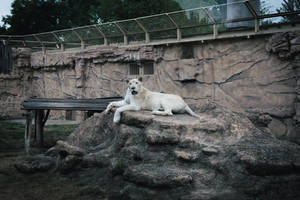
(140,79)
(127,81)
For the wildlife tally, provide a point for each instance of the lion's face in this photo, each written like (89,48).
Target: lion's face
(135,86)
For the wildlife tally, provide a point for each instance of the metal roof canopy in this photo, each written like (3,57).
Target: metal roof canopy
(204,21)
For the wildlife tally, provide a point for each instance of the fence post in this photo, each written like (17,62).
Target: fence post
(215,26)
(147,35)
(123,32)
(176,25)
(103,35)
(82,44)
(254,14)
(38,39)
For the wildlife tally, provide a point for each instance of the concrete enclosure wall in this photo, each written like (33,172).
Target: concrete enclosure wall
(257,76)
(16,86)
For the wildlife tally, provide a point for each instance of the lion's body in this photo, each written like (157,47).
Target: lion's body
(139,98)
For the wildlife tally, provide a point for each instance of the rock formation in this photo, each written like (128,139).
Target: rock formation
(221,157)
(258,76)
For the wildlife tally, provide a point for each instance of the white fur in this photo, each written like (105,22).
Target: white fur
(138,97)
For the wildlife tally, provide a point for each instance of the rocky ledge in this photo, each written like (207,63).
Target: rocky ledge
(180,157)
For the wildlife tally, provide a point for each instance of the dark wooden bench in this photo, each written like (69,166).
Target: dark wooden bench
(39,109)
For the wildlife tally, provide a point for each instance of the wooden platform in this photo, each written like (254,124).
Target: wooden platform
(39,110)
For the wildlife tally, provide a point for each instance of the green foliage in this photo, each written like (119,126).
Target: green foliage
(111,10)
(34,16)
(60,130)
(290,6)
(12,133)
(3,30)
(187,4)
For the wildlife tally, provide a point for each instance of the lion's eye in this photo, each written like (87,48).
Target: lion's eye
(129,83)
(136,82)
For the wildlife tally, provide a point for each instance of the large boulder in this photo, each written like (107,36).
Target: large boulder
(221,157)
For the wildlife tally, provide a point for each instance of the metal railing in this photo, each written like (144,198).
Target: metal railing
(184,25)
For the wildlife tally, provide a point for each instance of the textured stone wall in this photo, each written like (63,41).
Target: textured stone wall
(16,86)
(259,76)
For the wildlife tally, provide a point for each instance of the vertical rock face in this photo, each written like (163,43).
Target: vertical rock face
(16,86)
(239,74)
(179,157)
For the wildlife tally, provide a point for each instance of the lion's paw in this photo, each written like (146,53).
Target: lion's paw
(117,118)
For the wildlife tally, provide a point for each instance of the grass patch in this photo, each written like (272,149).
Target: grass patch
(60,131)
(12,133)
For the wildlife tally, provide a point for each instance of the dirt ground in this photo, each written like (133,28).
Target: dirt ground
(40,186)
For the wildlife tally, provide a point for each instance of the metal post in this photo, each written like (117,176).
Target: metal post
(215,26)
(103,35)
(80,38)
(216,32)
(256,25)
(5,42)
(179,36)
(62,47)
(123,32)
(38,39)
(28,131)
(176,25)
(39,128)
(147,35)
(254,14)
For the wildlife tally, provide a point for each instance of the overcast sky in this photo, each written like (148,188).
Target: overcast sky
(5,6)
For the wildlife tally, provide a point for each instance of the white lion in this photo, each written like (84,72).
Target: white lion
(138,97)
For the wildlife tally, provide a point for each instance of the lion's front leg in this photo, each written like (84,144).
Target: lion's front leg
(114,104)
(118,112)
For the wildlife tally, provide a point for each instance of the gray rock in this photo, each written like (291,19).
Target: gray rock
(154,176)
(286,45)
(277,128)
(65,149)
(161,137)
(33,164)
(69,163)
(99,159)
(223,156)
(186,156)
(210,151)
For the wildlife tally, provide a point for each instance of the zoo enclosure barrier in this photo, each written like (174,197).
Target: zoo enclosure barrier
(236,18)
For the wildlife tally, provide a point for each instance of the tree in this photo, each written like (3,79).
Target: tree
(3,30)
(35,16)
(111,10)
(31,16)
(290,6)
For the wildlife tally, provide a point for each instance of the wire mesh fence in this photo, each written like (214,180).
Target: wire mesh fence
(236,15)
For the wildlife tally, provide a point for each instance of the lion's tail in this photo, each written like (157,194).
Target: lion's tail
(189,110)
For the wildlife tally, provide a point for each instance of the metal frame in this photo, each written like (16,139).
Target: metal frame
(256,17)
